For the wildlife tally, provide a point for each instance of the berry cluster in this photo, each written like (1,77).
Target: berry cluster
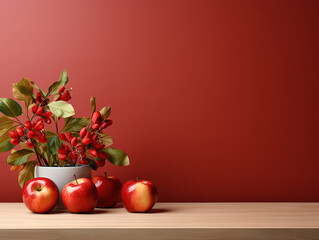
(64,95)
(86,144)
(28,132)
(39,109)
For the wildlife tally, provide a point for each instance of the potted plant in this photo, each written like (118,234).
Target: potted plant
(40,148)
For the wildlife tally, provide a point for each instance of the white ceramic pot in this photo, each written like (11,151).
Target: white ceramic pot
(62,176)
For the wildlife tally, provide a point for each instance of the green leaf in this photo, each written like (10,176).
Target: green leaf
(5,144)
(54,88)
(43,94)
(23,91)
(54,145)
(27,173)
(105,139)
(105,112)
(93,164)
(19,157)
(93,105)
(49,134)
(5,122)
(61,109)
(43,151)
(117,157)
(72,124)
(10,107)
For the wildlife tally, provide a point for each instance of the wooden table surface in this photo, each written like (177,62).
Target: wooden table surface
(167,221)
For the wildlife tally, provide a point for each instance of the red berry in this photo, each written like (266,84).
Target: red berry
(69,136)
(40,120)
(62,150)
(39,111)
(92,152)
(89,135)
(42,138)
(38,97)
(98,146)
(95,126)
(47,114)
(62,157)
(34,108)
(100,163)
(62,137)
(86,141)
(20,131)
(102,155)
(74,141)
(31,134)
(61,90)
(13,134)
(15,141)
(73,155)
(47,120)
(79,145)
(94,138)
(103,125)
(39,126)
(66,96)
(108,123)
(28,125)
(83,132)
(95,117)
(29,143)
(81,162)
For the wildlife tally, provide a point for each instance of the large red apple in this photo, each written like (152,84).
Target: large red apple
(109,190)
(139,195)
(40,195)
(80,196)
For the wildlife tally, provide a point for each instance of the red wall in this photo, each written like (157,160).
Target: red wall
(212,100)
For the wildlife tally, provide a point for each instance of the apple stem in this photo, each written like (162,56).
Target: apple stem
(104,174)
(76,179)
(137,179)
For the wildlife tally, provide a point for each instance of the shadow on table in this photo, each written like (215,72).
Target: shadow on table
(95,211)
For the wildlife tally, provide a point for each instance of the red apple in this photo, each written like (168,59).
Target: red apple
(109,190)
(40,195)
(80,196)
(139,195)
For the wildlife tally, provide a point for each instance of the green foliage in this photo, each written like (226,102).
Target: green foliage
(23,91)
(117,157)
(27,173)
(54,88)
(5,144)
(54,145)
(49,134)
(93,105)
(19,157)
(105,139)
(43,94)
(105,112)
(5,123)
(9,107)
(61,109)
(72,124)
(93,164)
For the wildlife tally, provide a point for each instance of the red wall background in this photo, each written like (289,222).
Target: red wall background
(212,100)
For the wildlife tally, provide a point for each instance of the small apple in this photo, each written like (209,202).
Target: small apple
(139,195)
(40,195)
(80,195)
(109,190)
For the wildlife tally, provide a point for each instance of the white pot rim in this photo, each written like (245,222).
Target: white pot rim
(71,166)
